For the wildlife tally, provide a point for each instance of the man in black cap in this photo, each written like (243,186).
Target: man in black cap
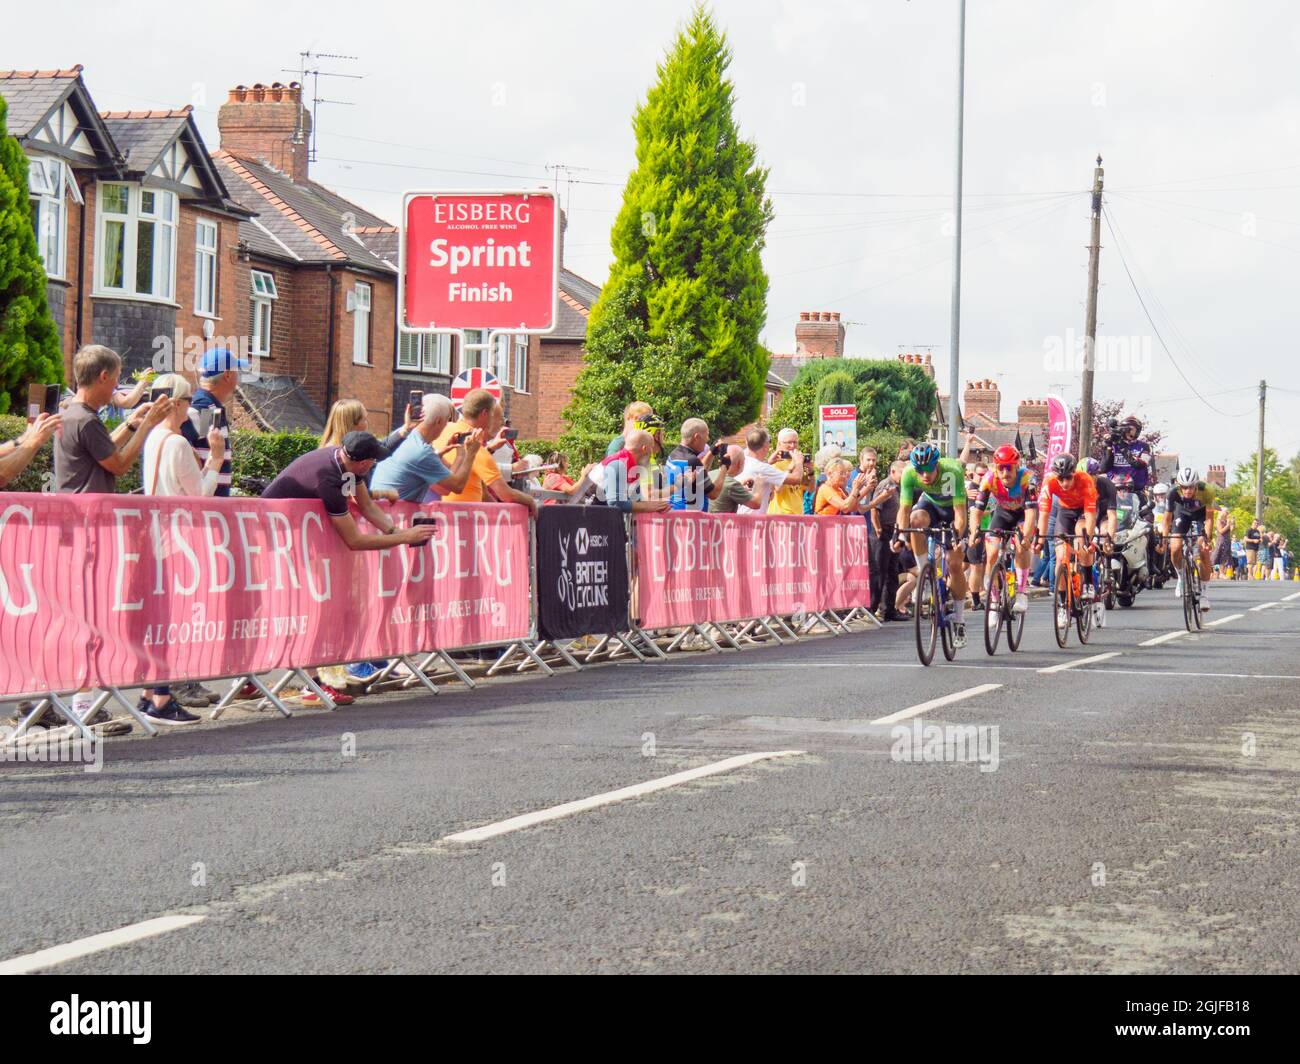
(335,474)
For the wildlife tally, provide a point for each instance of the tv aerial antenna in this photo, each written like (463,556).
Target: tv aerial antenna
(307,67)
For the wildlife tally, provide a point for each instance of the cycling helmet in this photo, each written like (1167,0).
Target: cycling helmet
(1132,422)
(924,457)
(1006,455)
(1188,477)
(1161,489)
(1063,465)
(1091,466)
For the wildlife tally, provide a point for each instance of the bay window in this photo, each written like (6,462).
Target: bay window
(137,241)
(45,182)
(424,352)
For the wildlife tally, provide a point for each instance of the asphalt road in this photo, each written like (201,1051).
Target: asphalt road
(1137,814)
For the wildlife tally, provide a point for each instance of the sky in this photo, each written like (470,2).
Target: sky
(1194,107)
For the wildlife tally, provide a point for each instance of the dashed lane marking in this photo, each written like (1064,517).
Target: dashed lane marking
(82,947)
(1225,620)
(1162,639)
(1076,662)
(935,703)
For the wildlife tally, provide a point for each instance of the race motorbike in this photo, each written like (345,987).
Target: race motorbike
(1129,560)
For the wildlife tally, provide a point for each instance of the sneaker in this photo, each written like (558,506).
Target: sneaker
(1063,618)
(170,714)
(1021,603)
(49,717)
(188,697)
(363,671)
(199,691)
(249,690)
(310,698)
(959,635)
(1205,602)
(978,604)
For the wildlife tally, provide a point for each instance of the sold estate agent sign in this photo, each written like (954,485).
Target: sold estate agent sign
(838,425)
(480,260)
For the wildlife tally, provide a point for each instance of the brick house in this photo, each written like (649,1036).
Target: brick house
(985,430)
(134,225)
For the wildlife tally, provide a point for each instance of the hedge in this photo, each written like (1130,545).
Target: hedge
(257,454)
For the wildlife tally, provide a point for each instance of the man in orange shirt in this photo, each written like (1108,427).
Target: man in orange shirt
(485,483)
(1078,498)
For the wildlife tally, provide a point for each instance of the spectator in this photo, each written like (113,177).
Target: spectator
(333,475)
(637,415)
(687,468)
(169,469)
(1278,553)
(218,377)
(736,491)
(1238,559)
(866,467)
(416,467)
(905,449)
(1251,541)
(767,479)
(1223,544)
(16,455)
(480,411)
(621,475)
(1265,552)
(350,415)
(832,499)
(558,479)
(882,520)
(908,572)
(821,460)
(788,498)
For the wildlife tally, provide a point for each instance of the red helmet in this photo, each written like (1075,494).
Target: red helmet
(1006,455)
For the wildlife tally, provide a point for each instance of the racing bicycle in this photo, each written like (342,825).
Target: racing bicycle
(1000,595)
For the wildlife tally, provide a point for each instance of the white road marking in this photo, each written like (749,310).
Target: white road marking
(1076,662)
(1264,606)
(935,703)
(1290,598)
(47,958)
(527,820)
(1162,639)
(1225,620)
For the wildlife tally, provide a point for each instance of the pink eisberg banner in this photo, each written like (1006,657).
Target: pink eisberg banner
(694,567)
(1058,427)
(125,590)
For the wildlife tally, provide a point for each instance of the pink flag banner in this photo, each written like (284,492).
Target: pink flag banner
(695,567)
(125,590)
(1058,427)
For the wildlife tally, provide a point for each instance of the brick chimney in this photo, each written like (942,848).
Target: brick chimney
(1032,412)
(982,397)
(923,364)
(267,123)
(819,334)
(1217,475)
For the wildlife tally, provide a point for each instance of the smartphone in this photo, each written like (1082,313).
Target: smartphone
(203,419)
(53,393)
(416,403)
(159,393)
(424,519)
(459,438)
(510,434)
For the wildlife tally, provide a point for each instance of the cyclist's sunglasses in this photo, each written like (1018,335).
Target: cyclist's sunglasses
(1007,468)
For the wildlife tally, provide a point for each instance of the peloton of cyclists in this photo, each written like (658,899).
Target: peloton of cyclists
(1191,501)
(1014,491)
(933,494)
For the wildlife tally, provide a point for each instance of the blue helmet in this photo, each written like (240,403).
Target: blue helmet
(924,457)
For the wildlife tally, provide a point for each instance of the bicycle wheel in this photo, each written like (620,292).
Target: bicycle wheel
(1061,607)
(925,614)
(1191,608)
(995,607)
(1195,573)
(1083,618)
(1015,627)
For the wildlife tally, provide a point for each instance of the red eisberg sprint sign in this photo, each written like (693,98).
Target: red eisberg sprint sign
(480,260)
(129,590)
(694,567)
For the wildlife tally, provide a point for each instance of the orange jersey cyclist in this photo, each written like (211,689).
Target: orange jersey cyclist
(1076,497)
(1012,491)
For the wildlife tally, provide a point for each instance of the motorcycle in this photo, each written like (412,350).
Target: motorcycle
(1128,561)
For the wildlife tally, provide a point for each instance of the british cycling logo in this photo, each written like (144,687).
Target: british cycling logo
(75,1016)
(61,747)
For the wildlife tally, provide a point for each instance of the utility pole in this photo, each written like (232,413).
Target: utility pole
(954,339)
(1090,321)
(1259,458)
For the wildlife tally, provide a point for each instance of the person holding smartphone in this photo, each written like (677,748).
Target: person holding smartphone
(419,466)
(218,378)
(16,455)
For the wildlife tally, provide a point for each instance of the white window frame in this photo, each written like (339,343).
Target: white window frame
(45,181)
(163,268)
(500,361)
(361,324)
(263,295)
(424,353)
(205,268)
(472,336)
(520,362)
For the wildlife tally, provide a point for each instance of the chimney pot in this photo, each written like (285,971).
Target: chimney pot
(835,316)
(803,315)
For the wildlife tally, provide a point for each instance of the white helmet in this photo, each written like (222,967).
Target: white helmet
(1161,489)
(1188,477)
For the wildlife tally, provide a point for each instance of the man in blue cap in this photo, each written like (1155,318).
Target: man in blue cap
(218,376)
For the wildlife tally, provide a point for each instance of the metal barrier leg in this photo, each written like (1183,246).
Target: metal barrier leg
(500,663)
(725,634)
(416,672)
(631,646)
(647,640)
(794,636)
(563,651)
(527,648)
(762,622)
(140,718)
(599,648)
(452,664)
(706,637)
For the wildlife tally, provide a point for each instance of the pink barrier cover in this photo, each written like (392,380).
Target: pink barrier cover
(694,567)
(121,590)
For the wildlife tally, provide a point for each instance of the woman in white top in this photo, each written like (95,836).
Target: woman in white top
(169,467)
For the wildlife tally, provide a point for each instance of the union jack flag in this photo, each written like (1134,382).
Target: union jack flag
(469,379)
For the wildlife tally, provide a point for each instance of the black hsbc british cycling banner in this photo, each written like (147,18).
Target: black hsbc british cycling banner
(582,582)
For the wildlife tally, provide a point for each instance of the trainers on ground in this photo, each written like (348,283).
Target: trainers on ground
(249,690)
(362,670)
(309,697)
(1178,588)
(1021,603)
(171,714)
(199,691)
(187,697)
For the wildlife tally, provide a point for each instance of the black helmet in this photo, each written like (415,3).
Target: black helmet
(1063,465)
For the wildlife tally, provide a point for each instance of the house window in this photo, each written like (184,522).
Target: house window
(45,179)
(137,241)
(205,269)
(264,294)
(521,363)
(424,353)
(771,402)
(471,358)
(361,325)
(501,360)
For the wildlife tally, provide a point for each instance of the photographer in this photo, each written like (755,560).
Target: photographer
(1128,456)
(416,467)
(735,492)
(766,477)
(788,499)
(687,468)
